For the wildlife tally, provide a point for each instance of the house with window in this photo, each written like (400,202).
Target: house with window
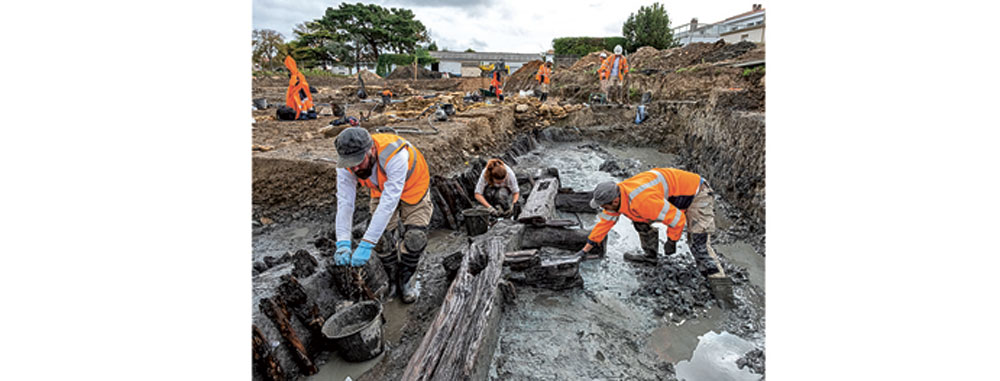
(747,26)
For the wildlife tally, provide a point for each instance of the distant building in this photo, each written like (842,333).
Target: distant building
(747,26)
(467,64)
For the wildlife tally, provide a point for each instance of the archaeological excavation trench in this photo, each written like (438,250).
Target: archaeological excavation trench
(514,302)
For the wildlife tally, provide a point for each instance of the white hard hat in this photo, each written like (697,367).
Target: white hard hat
(618,49)
(603,54)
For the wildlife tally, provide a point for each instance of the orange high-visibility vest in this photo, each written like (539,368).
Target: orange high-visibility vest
(543,74)
(418,178)
(609,64)
(657,195)
(296,84)
(495,82)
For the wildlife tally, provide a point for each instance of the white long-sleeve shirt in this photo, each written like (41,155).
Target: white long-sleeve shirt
(395,172)
(510,181)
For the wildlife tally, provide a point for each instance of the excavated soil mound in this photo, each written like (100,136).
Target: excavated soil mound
(406,72)
(368,76)
(523,78)
(591,60)
(730,51)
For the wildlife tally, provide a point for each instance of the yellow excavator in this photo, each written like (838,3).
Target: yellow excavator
(487,69)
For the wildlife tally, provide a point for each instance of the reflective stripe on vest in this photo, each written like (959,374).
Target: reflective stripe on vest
(666,192)
(383,156)
(607,217)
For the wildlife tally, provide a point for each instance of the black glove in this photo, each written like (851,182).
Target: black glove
(669,247)
(494,212)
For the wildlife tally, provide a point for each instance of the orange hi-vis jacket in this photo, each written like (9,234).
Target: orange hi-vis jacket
(657,195)
(495,82)
(543,74)
(609,63)
(296,86)
(418,178)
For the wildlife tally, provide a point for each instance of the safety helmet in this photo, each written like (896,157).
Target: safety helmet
(618,49)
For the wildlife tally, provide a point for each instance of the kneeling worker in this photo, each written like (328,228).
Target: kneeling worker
(497,188)
(670,196)
(398,178)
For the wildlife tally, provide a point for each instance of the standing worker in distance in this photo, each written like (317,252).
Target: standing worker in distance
(544,76)
(669,196)
(496,79)
(612,72)
(497,188)
(398,178)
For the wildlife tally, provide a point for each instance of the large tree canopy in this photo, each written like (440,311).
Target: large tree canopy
(361,32)
(267,44)
(649,27)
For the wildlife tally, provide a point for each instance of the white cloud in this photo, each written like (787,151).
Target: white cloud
(525,26)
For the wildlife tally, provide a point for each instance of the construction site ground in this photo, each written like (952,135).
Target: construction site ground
(628,321)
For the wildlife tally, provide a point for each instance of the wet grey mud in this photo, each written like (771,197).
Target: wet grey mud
(628,321)
(620,325)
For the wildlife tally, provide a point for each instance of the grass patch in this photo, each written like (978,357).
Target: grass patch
(748,71)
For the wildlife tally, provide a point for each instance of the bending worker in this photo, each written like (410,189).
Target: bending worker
(299,95)
(669,196)
(612,73)
(497,188)
(544,76)
(398,178)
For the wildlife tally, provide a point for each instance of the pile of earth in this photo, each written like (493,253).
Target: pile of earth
(368,76)
(406,72)
(523,78)
(648,58)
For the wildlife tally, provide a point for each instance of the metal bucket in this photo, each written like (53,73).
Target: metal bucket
(477,221)
(356,331)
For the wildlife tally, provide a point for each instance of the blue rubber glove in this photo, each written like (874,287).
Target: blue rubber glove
(343,255)
(362,253)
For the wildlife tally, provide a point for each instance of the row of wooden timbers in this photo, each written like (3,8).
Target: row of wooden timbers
(536,250)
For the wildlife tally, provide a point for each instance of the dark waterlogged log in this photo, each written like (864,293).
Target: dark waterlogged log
(575,202)
(263,361)
(276,310)
(549,268)
(562,238)
(460,341)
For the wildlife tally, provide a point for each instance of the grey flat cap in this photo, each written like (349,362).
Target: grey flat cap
(604,193)
(352,144)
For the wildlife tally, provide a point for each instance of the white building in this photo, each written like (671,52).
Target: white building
(467,64)
(747,26)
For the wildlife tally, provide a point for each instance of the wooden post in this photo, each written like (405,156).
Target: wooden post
(265,363)
(276,310)
(460,341)
(541,203)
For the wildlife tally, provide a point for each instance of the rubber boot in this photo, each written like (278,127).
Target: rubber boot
(699,249)
(388,253)
(544,97)
(649,239)
(414,243)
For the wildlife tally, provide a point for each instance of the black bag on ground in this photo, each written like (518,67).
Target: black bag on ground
(286,113)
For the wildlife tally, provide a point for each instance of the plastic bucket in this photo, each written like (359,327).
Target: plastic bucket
(260,103)
(477,221)
(356,331)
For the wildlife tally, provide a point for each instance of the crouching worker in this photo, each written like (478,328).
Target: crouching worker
(497,189)
(398,180)
(386,97)
(669,196)
(298,97)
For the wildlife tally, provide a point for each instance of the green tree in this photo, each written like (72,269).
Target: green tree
(432,47)
(364,31)
(648,27)
(266,48)
(469,50)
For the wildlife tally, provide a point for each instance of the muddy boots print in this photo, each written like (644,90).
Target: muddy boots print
(699,249)
(649,237)
(414,243)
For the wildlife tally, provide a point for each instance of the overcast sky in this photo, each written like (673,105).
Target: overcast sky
(521,26)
